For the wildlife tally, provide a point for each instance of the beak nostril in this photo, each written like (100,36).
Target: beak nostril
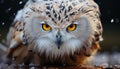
(58,36)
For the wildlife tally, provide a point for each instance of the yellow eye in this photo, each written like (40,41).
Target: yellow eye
(46,27)
(71,27)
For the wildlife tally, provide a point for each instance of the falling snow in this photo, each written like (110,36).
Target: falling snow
(9,9)
(3,24)
(112,20)
(20,2)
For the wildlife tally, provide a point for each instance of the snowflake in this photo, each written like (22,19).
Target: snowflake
(9,9)
(3,24)
(112,20)
(20,2)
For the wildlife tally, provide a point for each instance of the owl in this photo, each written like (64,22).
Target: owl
(55,32)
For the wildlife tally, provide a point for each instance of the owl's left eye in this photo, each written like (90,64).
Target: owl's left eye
(71,27)
(46,27)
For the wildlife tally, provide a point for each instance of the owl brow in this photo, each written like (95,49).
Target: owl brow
(75,22)
(42,22)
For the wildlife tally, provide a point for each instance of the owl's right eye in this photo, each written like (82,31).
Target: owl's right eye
(46,27)
(71,27)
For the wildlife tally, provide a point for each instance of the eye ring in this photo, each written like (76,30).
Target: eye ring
(46,27)
(71,27)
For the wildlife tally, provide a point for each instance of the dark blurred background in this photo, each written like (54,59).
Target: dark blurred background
(110,18)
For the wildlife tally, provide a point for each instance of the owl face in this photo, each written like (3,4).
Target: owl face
(59,28)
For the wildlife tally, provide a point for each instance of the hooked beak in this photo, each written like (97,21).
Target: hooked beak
(59,40)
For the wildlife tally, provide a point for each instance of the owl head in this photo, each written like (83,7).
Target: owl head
(60,28)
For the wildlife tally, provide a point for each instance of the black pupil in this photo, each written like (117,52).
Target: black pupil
(47,25)
(71,26)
